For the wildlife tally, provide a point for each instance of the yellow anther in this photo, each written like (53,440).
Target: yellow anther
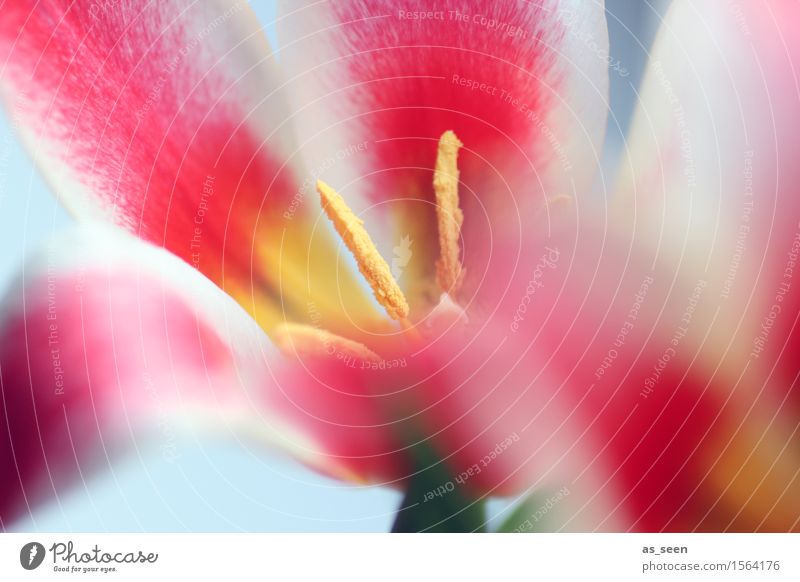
(305,340)
(449,272)
(371,264)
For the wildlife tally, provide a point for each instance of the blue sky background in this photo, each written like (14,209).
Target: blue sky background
(217,486)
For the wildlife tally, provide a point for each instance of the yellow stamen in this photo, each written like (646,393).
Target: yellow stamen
(371,264)
(304,340)
(449,272)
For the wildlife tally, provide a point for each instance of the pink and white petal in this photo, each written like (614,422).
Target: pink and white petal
(108,344)
(711,174)
(522,84)
(614,341)
(169,120)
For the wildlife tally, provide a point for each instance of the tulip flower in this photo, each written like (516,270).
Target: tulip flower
(383,249)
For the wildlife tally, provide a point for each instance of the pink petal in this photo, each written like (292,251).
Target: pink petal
(376,83)
(168,119)
(712,173)
(679,437)
(108,344)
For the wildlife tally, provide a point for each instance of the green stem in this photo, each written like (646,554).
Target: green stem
(434,500)
(424,511)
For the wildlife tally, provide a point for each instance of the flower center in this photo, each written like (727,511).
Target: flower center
(307,340)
